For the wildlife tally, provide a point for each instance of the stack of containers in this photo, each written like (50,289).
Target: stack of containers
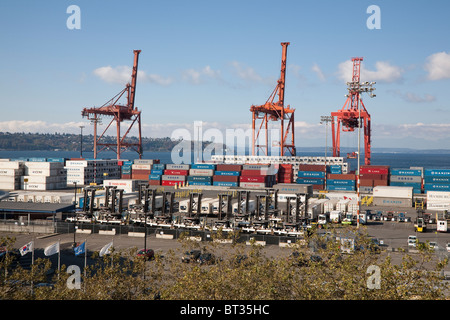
(87,171)
(257,176)
(436,180)
(227,175)
(154,179)
(285,173)
(201,174)
(313,174)
(340,182)
(175,175)
(393,196)
(10,173)
(43,175)
(372,176)
(126,169)
(407,178)
(141,169)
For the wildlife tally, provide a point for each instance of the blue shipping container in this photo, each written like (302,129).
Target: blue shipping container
(416,185)
(154,177)
(310,181)
(437,172)
(159,166)
(406,172)
(199,183)
(203,166)
(227,173)
(56,159)
(311,174)
(160,172)
(439,180)
(340,188)
(436,187)
(338,182)
(199,178)
(225,184)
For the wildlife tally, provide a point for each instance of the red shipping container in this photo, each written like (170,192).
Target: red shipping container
(226,178)
(228,167)
(374,170)
(336,176)
(253,179)
(176,172)
(380,183)
(318,187)
(256,173)
(154,182)
(371,176)
(170,183)
(139,176)
(366,182)
(311,167)
(141,171)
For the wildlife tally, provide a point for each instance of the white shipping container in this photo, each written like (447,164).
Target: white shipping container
(252,185)
(44,165)
(177,167)
(9,179)
(438,196)
(77,163)
(141,167)
(11,172)
(143,161)
(330,205)
(173,177)
(44,172)
(43,179)
(11,165)
(393,192)
(282,197)
(201,172)
(341,205)
(440,206)
(342,196)
(9,186)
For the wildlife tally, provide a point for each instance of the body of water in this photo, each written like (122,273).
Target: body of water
(394,160)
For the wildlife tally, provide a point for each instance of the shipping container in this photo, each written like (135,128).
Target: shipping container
(203,166)
(340,188)
(144,161)
(374,169)
(179,178)
(201,172)
(293,188)
(154,182)
(227,173)
(437,172)
(229,167)
(259,179)
(176,172)
(414,179)
(252,185)
(436,179)
(341,182)
(312,167)
(159,166)
(199,183)
(199,178)
(438,196)
(436,187)
(341,176)
(154,176)
(393,202)
(311,174)
(406,172)
(392,192)
(226,178)
(225,184)
(380,183)
(310,181)
(157,171)
(177,167)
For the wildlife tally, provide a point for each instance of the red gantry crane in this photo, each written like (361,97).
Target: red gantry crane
(274,111)
(354,114)
(119,113)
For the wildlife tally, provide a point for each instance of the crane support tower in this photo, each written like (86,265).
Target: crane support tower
(354,114)
(274,111)
(118,113)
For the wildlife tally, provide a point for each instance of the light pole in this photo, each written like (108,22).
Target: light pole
(326,119)
(81,142)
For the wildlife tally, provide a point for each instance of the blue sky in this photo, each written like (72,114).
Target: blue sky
(211,60)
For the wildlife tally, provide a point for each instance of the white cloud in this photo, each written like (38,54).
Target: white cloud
(38,126)
(122,75)
(384,72)
(318,72)
(438,66)
(200,76)
(414,97)
(249,75)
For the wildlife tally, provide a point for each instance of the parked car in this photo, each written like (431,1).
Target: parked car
(433,245)
(190,256)
(412,241)
(206,258)
(448,247)
(148,254)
